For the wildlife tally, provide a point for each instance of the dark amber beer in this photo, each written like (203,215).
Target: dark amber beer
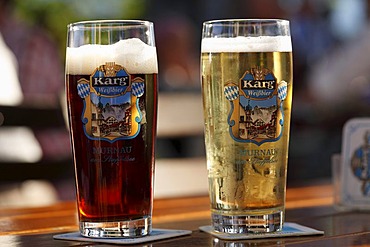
(111,92)
(247,93)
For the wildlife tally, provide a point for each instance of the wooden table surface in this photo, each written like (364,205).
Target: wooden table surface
(309,205)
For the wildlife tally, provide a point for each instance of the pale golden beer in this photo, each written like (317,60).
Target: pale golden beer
(247,94)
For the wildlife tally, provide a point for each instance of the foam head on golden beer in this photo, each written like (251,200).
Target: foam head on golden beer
(247,44)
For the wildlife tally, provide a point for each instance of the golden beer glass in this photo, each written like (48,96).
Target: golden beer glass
(246,73)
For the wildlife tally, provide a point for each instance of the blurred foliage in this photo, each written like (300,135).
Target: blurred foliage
(55,15)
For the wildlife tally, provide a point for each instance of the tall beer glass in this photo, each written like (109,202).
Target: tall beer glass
(111,86)
(247,91)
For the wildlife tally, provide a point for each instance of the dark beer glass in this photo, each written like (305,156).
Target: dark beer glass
(111,88)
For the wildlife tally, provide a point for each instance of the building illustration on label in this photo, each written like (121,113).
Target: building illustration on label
(112,107)
(256,113)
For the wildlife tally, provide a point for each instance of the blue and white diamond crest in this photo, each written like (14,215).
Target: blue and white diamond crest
(138,89)
(231,92)
(282,90)
(83,90)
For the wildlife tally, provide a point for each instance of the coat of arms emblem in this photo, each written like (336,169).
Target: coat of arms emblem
(256,113)
(112,106)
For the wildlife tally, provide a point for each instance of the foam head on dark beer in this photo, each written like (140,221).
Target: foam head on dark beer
(133,54)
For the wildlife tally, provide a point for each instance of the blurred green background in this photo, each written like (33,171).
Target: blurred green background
(331,44)
(55,15)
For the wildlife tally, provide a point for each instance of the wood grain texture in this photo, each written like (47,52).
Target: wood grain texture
(309,205)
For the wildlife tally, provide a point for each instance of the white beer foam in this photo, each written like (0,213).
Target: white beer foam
(133,54)
(248,44)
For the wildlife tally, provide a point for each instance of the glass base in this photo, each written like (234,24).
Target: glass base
(248,223)
(119,229)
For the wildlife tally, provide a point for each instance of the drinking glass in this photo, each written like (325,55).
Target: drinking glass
(246,73)
(111,88)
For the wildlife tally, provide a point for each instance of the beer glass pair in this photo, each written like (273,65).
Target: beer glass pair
(111,87)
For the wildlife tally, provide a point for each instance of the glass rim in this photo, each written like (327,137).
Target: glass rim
(245,21)
(107,22)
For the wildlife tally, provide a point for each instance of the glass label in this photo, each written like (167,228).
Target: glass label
(111,103)
(256,114)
